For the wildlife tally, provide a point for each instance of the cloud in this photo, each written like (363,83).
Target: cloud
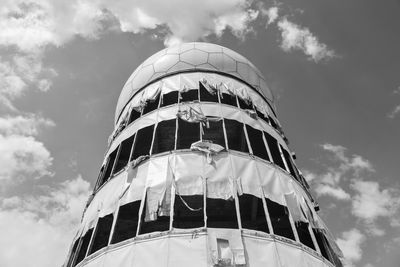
(24,125)
(271,13)
(41,227)
(295,37)
(394,112)
(350,243)
(31,25)
(341,167)
(22,156)
(371,203)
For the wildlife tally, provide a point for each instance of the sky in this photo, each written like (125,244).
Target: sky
(333,67)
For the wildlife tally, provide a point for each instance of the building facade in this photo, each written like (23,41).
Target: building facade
(198,172)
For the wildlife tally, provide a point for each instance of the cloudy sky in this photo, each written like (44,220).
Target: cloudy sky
(333,65)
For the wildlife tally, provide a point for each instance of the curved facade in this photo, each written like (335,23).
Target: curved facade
(198,171)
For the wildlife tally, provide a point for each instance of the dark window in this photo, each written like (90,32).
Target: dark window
(127,222)
(257,142)
(274,149)
(252,213)
(235,134)
(206,96)
(273,123)
(228,99)
(280,219)
(245,104)
(188,133)
(164,138)
(221,213)
(214,133)
(161,223)
(188,212)
(325,247)
(151,105)
(124,153)
(110,164)
(102,233)
(84,246)
(262,116)
(170,99)
(289,163)
(100,180)
(143,142)
(134,115)
(72,255)
(304,234)
(191,95)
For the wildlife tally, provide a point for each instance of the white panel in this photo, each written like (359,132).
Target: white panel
(260,253)
(170,84)
(248,175)
(167,113)
(188,251)
(288,255)
(311,261)
(96,262)
(151,253)
(119,257)
(271,183)
(137,186)
(111,193)
(235,243)
(188,170)
(218,183)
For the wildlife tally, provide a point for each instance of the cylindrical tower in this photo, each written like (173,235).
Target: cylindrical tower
(198,172)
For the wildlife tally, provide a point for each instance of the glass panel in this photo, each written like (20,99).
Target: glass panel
(191,95)
(261,116)
(102,233)
(100,180)
(274,149)
(188,133)
(304,234)
(245,104)
(161,223)
(188,212)
(72,255)
(143,142)
(273,123)
(110,164)
(164,138)
(221,213)
(134,115)
(170,99)
(257,142)
(214,133)
(228,99)
(151,105)
(206,96)
(252,213)
(127,222)
(289,162)
(280,219)
(84,246)
(124,153)
(236,137)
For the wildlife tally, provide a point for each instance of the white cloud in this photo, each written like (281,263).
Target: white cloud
(341,167)
(295,37)
(336,192)
(272,13)
(350,244)
(394,112)
(371,203)
(41,227)
(23,125)
(22,156)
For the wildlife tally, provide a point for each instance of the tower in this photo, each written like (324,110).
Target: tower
(198,172)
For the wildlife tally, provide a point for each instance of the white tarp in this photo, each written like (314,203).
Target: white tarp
(206,249)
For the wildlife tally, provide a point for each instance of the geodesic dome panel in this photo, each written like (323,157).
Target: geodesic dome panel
(192,57)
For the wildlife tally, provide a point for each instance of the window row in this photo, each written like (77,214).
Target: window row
(178,134)
(190,212)
(201,94)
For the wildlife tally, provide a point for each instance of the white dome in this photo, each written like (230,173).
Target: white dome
(192,57)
